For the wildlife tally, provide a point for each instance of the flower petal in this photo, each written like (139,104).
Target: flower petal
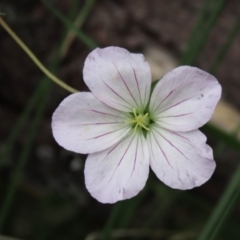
(180,160)
(118,78)
(83,124)
(119,172)
(184,99)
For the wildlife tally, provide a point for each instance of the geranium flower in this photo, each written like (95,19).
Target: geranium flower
(125,129)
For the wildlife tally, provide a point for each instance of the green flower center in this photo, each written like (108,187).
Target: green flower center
(139,120)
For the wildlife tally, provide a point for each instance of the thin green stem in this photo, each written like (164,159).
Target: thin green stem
(229,198)
(231,205)
(44,93)
(34,58)
(123,217)
(111,221)
(130,208)
(232,193)
(8,145)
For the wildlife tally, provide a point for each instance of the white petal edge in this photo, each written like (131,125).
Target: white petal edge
(118,78)
(180,160)
(185,99)
(119,172)
(83,124)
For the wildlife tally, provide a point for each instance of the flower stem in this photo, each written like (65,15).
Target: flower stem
(34,58)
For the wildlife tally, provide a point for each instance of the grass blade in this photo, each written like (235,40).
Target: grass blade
(201,19)
(83,37)
(23,158)
(78,23)
(196,48)
(223,209)
(28,145)
(35,97)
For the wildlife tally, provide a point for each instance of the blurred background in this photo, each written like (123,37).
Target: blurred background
(43,196)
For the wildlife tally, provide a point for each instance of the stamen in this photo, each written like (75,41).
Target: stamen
(138,120)
(135,112)
(135,128)
(143,126)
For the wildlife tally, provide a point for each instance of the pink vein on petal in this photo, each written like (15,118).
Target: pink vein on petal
(105,113)
(114,91)
(119,104)
(135,76)
(162,151)
(121,159)
(176,104)
(104,134)
(179,135)
(172,145)
(111,150)
(91,124)
(135,158)
(188,140)
(159,121)
(180,115)
(172,91)
(125,84)
(145,94)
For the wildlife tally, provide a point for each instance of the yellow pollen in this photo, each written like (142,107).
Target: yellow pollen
(138,120)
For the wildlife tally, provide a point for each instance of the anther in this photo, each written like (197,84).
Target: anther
(138,121)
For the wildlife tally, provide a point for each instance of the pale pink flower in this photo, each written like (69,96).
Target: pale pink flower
(125,128)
